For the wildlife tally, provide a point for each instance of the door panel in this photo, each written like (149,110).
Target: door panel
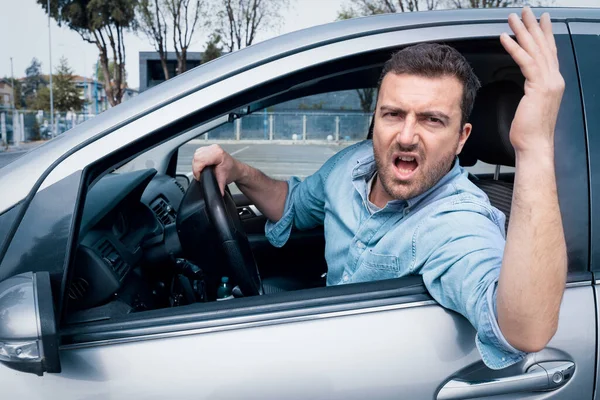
(389,352)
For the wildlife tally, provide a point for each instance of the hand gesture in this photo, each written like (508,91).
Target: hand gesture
(532,129)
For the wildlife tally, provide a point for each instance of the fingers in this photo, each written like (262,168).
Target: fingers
(546,25)
(523,60)
(533,28)
(535,51)
(524,37)
(205,156)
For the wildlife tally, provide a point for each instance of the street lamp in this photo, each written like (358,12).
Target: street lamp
(51,94)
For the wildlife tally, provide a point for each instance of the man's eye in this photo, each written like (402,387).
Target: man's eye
(434,120)
(391,114)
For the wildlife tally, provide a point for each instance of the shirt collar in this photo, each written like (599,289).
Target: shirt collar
(365,168)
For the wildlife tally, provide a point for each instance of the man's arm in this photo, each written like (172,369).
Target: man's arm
(534,266)
(267,194)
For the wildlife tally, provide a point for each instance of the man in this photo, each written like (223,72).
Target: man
(402,204)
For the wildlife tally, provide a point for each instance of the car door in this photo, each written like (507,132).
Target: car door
(586,41)
(375,340)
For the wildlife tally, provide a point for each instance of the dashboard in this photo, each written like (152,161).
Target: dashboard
(127,220)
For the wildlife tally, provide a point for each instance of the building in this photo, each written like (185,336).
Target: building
(94,95)
(151,71)
(6,94)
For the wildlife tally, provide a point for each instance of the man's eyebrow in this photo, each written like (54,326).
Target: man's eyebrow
(435,114)
(392,109)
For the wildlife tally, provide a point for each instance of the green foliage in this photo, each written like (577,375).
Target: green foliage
(41,100)
(103,23)
(87,16)
(111,72)
(213,50)
(65,92)
(34,80)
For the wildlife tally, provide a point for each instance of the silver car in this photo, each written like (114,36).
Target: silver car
(111,257)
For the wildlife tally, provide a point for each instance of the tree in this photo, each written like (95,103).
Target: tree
(485,3)
(34,81)
(65,92)
(185,17)
(361,8)
(41,100)
(240,20)
(366,97)
(152,23)
(111,71)
(212,50)
(103,23)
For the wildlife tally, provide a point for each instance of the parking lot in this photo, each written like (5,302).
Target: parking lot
(277,160)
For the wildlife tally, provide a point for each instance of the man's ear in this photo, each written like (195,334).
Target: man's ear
(464,135)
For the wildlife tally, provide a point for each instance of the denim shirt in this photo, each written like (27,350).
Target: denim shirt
(450,235)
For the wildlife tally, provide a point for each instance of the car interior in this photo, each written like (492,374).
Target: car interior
(148,241)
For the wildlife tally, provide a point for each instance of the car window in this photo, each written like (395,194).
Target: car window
(296,137)
(293,138)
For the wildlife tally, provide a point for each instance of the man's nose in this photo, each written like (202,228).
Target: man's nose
(407,134)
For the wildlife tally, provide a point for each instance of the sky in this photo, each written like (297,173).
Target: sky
(25,34)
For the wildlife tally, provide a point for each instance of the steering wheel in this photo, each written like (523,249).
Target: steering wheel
(203,204)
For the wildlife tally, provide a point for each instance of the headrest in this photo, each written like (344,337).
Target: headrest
(492,116)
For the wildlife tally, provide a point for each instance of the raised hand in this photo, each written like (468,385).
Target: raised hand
(535,119)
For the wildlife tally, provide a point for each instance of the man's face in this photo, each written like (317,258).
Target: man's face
(417,133)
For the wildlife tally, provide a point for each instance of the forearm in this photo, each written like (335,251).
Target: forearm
(267,194)
(534,267)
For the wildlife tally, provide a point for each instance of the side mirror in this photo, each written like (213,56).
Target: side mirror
(183,181)
(28,337)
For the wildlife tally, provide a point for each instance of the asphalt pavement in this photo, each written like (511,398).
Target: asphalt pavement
(278,161)
(7,157)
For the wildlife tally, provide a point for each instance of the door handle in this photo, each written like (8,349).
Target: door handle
(539,377)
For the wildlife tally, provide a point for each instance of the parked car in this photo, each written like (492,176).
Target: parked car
(110,261)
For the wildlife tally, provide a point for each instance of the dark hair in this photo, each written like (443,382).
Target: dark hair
(434,60)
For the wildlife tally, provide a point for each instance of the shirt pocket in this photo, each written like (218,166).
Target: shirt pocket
(377,266)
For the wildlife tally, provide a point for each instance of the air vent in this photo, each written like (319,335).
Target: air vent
(164,212)
(110,255)
(78,289)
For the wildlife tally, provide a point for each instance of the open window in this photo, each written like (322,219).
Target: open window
(130,259)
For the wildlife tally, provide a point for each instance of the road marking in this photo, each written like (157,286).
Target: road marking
(239,151)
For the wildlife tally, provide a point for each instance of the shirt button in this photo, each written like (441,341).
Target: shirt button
(360,245)
(346,277)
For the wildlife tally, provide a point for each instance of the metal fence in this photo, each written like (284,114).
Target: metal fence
(292,126)
(24,126)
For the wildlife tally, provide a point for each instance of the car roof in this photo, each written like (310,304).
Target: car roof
(21,174)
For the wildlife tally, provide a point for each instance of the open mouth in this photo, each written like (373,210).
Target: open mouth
(405,166)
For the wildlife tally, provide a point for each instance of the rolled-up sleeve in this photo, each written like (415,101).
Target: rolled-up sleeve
(458,251)
(494,349)
(278,233)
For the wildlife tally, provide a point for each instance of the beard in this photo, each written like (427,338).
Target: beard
(429,172)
